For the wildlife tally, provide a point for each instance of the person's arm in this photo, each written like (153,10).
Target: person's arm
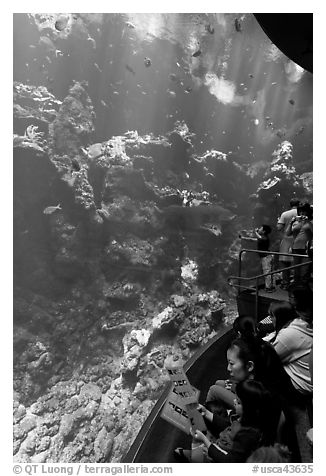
(281,223)
(247,237)
(261,237)
(296,226)
(205,412)
(284,345)
(245,441)
(224,395)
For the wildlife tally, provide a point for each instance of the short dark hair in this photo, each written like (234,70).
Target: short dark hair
(305,207)
(257,408)
(294,202)
(245,325)
(267,229)
(303,297)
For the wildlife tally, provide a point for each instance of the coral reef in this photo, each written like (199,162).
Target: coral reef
(129,270)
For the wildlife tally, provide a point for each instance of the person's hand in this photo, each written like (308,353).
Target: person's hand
(202,410)
(228,384)
(199,436)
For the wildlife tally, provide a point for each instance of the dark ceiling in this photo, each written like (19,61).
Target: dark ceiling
(292,33)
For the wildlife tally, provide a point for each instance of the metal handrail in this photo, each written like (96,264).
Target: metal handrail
(265,274)
(269,253)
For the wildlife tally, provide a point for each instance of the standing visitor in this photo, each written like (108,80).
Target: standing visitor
(287,241)
(263,244)
(301,230)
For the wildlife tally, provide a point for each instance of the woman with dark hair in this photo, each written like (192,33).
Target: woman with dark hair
(241,360)
(252,425)
(281,314)
(292,340)
(249,357)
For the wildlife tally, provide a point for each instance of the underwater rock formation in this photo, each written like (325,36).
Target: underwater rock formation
(123,274)
(280,180)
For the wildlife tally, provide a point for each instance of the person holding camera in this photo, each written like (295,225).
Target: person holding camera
(287,241)
(263,244)
(301,230)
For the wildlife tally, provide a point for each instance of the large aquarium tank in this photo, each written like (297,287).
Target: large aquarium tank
(144,144)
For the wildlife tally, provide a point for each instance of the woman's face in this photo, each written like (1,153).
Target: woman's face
(238,371)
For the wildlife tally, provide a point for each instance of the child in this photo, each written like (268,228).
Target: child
(263,243)
(252,425)
(266,259)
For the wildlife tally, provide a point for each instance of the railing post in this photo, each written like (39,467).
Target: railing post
(240,269)
(256,303)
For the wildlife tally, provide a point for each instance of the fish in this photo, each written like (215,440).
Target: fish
(61,23)
(200,214)
(251,75)
(116,92)
(274,83)
(173,77)
(51,209)
(292,101)
(256,121)
(197,53)
(280,134)
(104,103)
(237,25)
(178,64)
(129,68)
(147,62)
(47,43)
(130,25)
(172,93)
(210,29)
(92,41)
(188,89)
(215,229)
(97,67)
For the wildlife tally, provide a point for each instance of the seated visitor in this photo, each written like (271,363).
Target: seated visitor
(292,340)
(252,424)
(241,365)
(301,298)
(270,454)
(249,357)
